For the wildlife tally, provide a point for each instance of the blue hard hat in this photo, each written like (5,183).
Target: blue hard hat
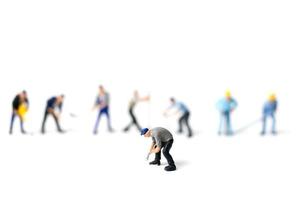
(144,131)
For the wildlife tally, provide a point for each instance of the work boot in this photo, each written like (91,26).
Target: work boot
(155,162)
(111,130)
(125,130)
(170,168)
(61,131)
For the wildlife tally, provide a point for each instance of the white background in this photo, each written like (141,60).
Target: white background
(192,50)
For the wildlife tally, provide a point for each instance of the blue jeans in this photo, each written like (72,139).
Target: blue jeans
(264,121)
(228,129)
(13,116)
(103,111)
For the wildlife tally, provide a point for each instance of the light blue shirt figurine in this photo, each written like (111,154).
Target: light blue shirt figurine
(269,110)
(225,106)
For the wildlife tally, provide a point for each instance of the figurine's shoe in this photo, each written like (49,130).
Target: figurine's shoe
(61,131)
(170,168)
(155,162)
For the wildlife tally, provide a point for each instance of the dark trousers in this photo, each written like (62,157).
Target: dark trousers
(184,119)
(133,121)
(13,116)
(55,119)
(166,147)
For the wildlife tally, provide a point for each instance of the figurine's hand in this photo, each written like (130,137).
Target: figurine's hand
(50,110)
(153,150)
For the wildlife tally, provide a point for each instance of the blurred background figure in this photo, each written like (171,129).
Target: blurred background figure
(132,103)
(226,106)
(102,104)
(20,107)
(54,108)
(269,111)
(184,113)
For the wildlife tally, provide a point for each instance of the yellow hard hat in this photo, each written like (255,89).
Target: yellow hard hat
(272,97)
(227,93)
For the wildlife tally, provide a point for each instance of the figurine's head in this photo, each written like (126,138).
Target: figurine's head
(23,94)
(272,97)
(101,89)
(172,100)
(145,132)
(60,99)
(228,94)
